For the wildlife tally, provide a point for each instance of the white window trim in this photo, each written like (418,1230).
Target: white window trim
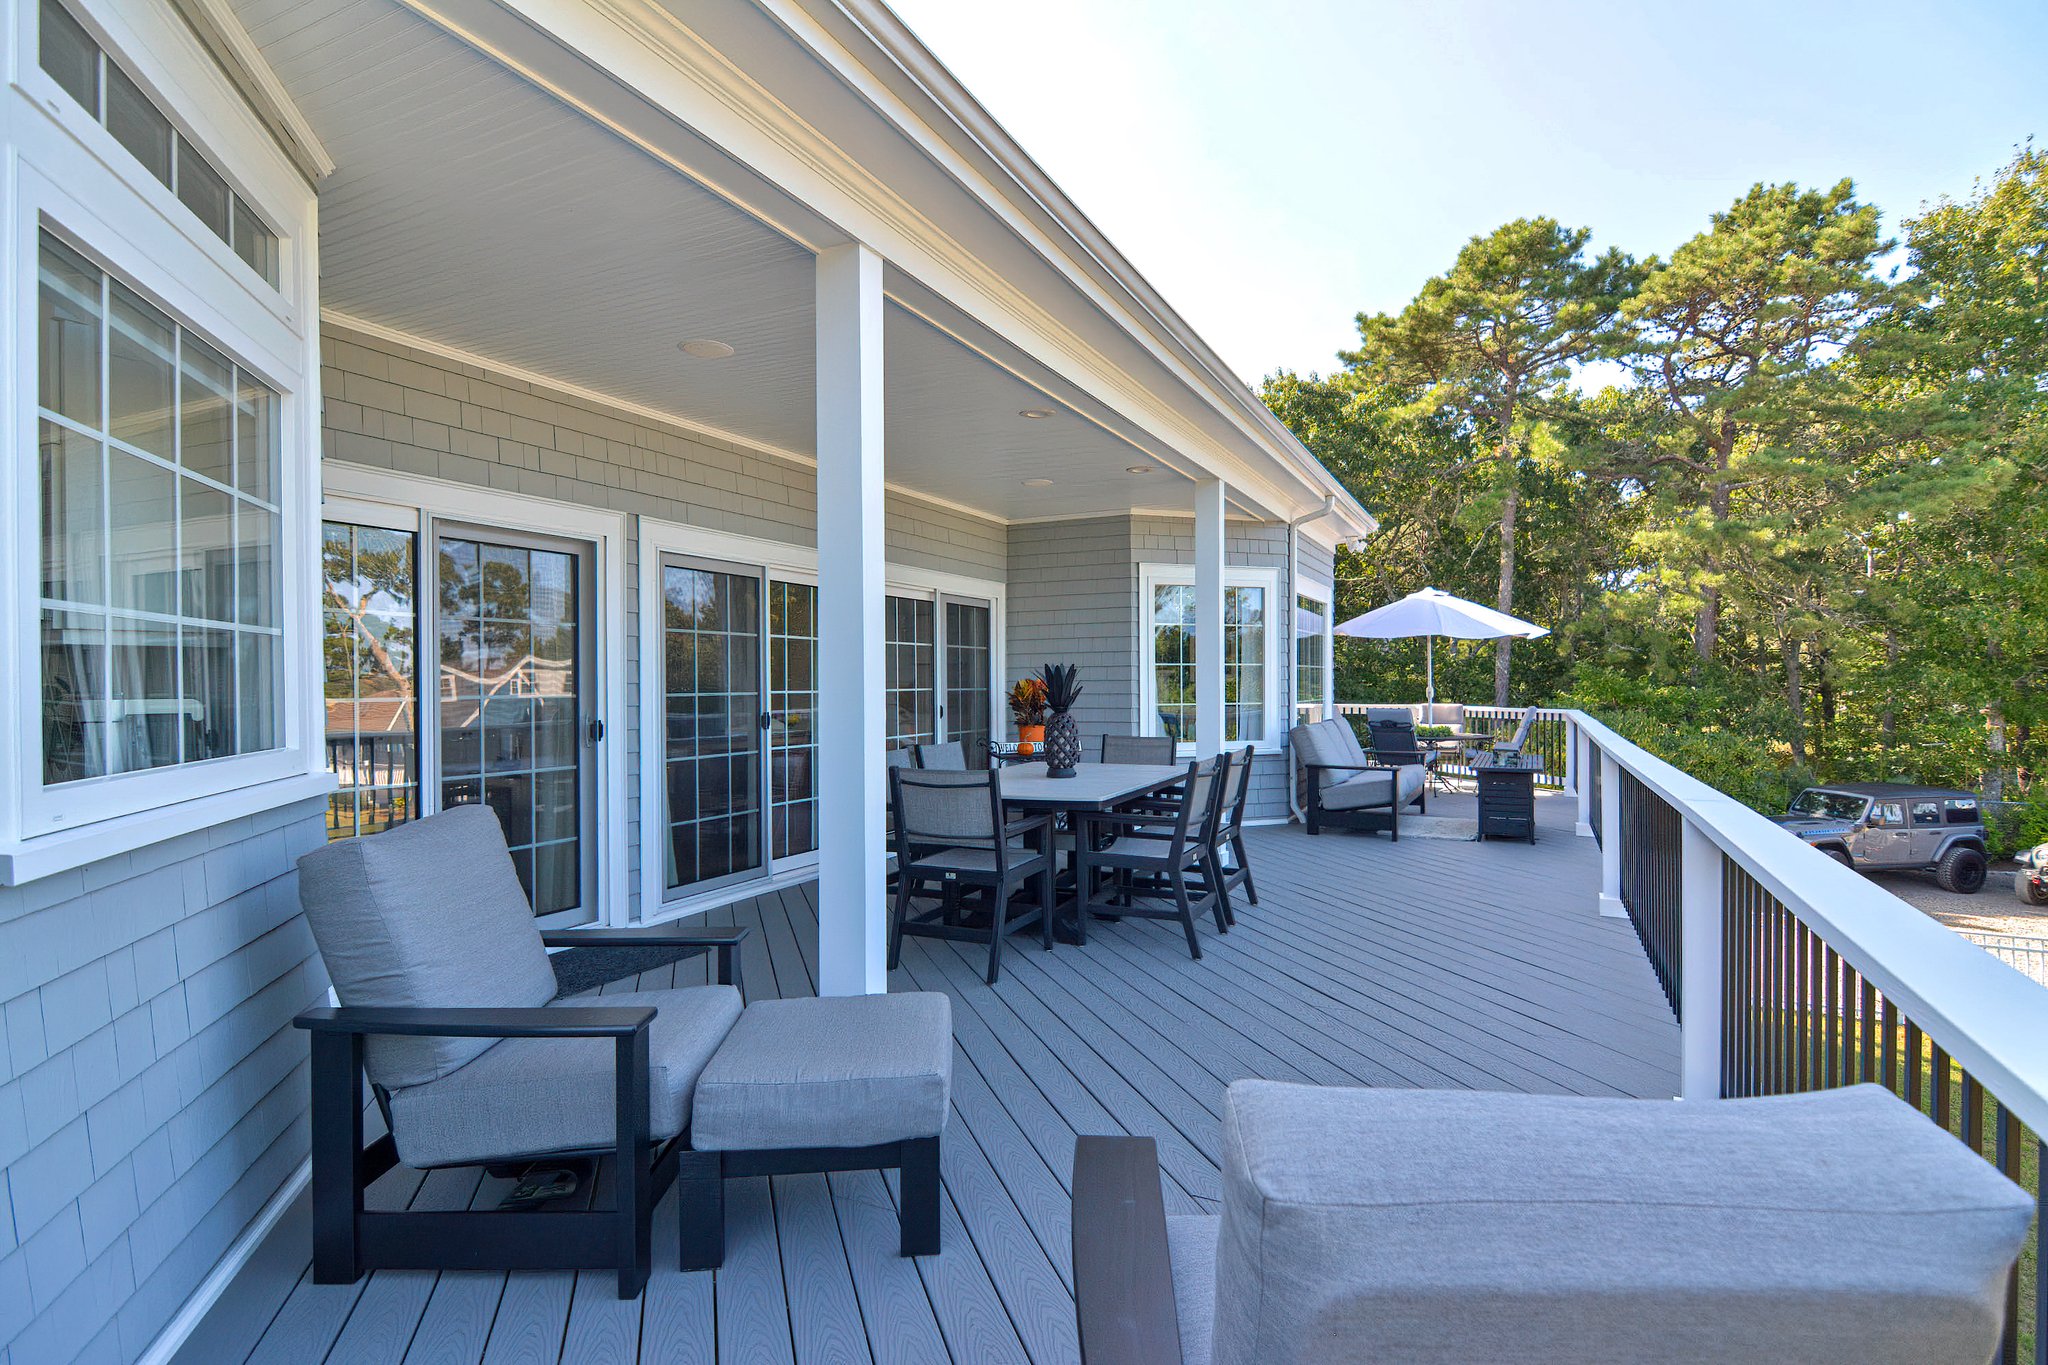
(780,558)
(73,178)
(1151,576)
(415,503)
(1324,591)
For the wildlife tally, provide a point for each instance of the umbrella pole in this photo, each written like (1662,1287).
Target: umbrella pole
(1429,672)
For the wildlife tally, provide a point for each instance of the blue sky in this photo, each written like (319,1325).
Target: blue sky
(1275,167)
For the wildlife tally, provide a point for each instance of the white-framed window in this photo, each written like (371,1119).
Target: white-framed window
(158,486)
(1252,631)
(1312,653)
(158,470)
(75,60)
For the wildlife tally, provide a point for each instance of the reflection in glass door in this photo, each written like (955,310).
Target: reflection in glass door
(792,711)
(512,688)
(711,641)
(969,659)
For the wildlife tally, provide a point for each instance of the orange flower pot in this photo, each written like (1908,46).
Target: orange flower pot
(1029,737)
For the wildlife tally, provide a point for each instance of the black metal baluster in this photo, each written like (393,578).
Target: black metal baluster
(1891,1047)
(1914,1088)
(1940,1108)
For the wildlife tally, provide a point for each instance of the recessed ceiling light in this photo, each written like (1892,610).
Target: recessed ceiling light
(1038,483)
(1036,414)
(704,348)
(1137,469)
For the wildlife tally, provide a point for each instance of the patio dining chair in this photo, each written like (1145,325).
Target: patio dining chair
(952,837)
(449,1009)
(1229,861)
(1146,749)
(950,757)
(1162,854)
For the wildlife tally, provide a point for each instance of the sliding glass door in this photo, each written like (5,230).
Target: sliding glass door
(968,631)
(514,690)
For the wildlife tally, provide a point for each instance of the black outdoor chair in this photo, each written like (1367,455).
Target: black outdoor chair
(1148,749)
(951,836)
(1505,751)
(449,1011)
(950,757)
(1229,862)
(1153,853)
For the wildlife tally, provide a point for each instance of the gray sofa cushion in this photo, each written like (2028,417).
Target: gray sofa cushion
(839,1071)
(527,1096)
(1369,1225)
(1330,741)
(1191,1251)
(1370,789)
(430,913)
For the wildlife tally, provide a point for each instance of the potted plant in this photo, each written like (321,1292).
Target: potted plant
(1062,733)
(1027,709)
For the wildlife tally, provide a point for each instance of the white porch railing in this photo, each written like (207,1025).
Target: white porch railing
(1548,737)
(1790,972)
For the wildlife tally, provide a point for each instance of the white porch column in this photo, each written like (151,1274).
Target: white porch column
(1209,617)
(1582,784)
(1610,838)
(1699,946)
(852,937)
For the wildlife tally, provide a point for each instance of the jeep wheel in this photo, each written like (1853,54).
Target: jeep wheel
(1841,855)
(1961,870)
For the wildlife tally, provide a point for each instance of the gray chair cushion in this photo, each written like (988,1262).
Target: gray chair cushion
(1389,715)
(1191,1251)
(531,1096)
(1323,743)
(838,1071)
(430,913)
(1377,1225)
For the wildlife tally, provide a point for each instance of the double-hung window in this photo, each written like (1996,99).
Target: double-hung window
(1311,655)
(158,476)
(1251,661)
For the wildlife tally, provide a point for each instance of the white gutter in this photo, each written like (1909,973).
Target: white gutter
(1293,595)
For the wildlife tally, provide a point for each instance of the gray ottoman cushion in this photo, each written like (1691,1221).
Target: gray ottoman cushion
(427,914)
(839,1071)
(1364,1225)
(1191,1251)
(534,1095)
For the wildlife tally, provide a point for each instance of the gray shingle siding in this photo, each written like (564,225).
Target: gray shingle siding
(395,407)
(154,1093)
(1073,599)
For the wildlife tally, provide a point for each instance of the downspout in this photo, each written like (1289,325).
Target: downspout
(1293,595)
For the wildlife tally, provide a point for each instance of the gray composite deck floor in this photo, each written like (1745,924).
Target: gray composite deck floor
(1423,963)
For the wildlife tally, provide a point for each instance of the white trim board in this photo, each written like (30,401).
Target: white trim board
(240,1253)
(441,500)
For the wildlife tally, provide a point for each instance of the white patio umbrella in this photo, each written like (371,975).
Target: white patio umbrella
(1430,613)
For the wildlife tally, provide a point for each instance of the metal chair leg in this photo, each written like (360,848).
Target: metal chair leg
(918,1219)
(700,1195)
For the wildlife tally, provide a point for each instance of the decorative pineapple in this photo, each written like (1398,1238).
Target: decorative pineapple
(1062,734)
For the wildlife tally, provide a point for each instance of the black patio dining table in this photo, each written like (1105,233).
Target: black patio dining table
(1093,789)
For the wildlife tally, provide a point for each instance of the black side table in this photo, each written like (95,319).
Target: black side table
(1507,801)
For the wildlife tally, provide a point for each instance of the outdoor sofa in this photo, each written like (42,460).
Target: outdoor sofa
(1363,1225)
(449,1008)
(1345,786)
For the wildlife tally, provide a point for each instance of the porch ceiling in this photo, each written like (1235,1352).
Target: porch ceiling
(472,210)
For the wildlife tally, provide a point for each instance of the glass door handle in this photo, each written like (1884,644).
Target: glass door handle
(596,731)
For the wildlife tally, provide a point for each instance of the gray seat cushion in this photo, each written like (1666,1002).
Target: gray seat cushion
(982,860)
(427,914)
(1191,1251)
(1377,1225)
(529,1096)
(1370,788)
(838,1071)
(1329,742)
